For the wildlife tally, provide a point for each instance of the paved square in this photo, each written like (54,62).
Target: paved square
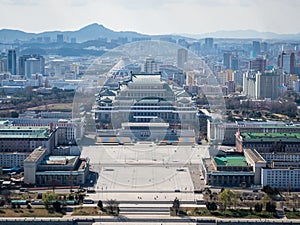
(145,178)
(144,170)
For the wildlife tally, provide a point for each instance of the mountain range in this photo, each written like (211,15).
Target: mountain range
(95,31)
(90,32)
(242,34)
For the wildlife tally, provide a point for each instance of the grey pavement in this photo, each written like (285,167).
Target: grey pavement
(146,171)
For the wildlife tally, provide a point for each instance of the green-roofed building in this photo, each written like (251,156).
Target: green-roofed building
(27,138)
(229,170)
(268,142)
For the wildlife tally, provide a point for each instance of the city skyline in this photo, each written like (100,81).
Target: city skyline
(155,17)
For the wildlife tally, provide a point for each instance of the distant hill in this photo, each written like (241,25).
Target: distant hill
(90,32)
(243,34)
(95,31)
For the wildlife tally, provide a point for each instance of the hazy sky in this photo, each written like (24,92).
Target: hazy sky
(152,16)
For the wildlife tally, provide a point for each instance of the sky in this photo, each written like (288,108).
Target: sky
(152,16)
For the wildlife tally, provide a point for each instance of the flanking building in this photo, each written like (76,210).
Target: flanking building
(282,171)
(224,132)
(287,178)
(228,170)
(268,142)
(69,131)
(27,138)
(42,169)
(275,158)
(12,159)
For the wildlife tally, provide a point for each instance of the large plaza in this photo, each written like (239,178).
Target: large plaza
(145,170)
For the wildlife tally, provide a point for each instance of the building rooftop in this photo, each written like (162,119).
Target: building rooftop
(58,160)
(147,79)
(36,154)
(256,157)
(230,161)
(265,137)
(24,131)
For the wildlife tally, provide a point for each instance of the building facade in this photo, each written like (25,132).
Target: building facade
(146,99)
(26,138)
(45,170)
(223,132)
(268,142)
(228,171)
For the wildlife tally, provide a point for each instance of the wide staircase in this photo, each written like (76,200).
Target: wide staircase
(145,210)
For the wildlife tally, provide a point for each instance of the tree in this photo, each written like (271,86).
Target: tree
(14,114)
(100,204)
(48,198)
(226,198)
(113,206)
(258,207)
(176,205)
(6,195)
(81,197)
(29,206)
(270,207)
(211,206)
(236,196)
(57,206)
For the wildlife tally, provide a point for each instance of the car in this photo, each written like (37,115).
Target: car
(88,201)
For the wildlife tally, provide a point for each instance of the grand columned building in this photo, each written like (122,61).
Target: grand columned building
(147,108)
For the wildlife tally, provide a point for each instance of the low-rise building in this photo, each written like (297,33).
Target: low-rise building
(68,131)
(224,132)
(257,162)
(228,170)
(27,138)
(284,178)
(46,170)
(11,159)
(268,142)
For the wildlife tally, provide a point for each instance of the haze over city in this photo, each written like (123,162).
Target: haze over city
(149,112)
(152,17)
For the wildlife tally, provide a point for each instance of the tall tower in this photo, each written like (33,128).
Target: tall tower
(12,61)
(60,38)
(292,63)
(150,66)
(209,43)
(182,57)
(227,60)
(256,47)
(34,65)
(22,60)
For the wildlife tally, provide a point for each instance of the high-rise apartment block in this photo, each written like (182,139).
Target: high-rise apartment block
(182,57)
(12,61)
